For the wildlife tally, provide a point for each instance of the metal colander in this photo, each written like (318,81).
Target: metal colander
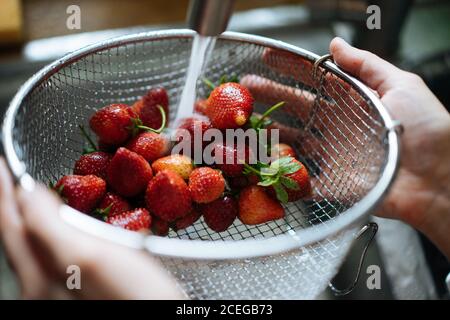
(339,126)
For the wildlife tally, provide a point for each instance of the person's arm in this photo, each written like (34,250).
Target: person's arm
(420,195)
(40,247)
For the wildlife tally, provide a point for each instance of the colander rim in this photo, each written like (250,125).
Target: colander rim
(210,249)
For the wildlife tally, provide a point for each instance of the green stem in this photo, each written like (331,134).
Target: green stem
(268,112)
(88,137)
(209,83)
(163,124)
(249,167)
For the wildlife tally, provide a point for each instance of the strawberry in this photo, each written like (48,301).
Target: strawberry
(94,163)
(256,206)
(113,204)
(200,106)
(187,220)
(147,110)
(81,192)
(105,147)
(281,150)
(190,125)
(167,196)
(220,214)
(159,227)
(229,106)
(286,178)
(191,131)
(241,182)
(302,181)
(223,79)
(176,162)
(149,145)
(134,220)
(206,184)
(236,160)
(112,123)
(128,173)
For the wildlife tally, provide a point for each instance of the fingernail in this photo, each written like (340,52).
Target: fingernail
(342,41)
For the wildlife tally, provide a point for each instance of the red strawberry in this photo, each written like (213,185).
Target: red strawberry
(134,220)
(160,227)
(191,130)
(256,206)
(149,145)
(81,192)
(301,178)
(243,181)
(128,173)
(167,196)
(286,178)
(220,214)
(281,150)
(109,148)
(187,220)
(176,162)
(233,167)
(94,163)
(206,184)
(147,110)
(302,187)
(190,125)
(200,106)
(229,106)
(113,204)
(112,123)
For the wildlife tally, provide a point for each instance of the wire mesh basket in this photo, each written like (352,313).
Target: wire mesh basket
(339,127)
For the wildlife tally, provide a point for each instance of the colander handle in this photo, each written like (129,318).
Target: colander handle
(373,228)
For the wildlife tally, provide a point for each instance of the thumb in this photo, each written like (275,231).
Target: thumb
(377,73)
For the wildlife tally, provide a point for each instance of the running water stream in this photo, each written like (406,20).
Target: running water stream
(202,48)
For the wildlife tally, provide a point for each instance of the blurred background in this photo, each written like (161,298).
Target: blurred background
(414,34)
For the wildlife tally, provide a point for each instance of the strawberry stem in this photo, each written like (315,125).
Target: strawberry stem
(250,168)
(88,137)
(209,83)
(268,112)
(103,212)
(163,124)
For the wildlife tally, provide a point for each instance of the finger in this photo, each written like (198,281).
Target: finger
(301,69)
(51,236)
(337,190)
(331,87)
(335,123)
(298,102)
(377,73)
(13,234)
(290,64)
(270,92)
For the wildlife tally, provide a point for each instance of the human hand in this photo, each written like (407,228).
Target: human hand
(40,247)
(420,195)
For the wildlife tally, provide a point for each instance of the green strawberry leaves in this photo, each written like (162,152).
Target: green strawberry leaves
(281,193)
(223,79)
(289,183)
(275,175)
(102,214)
(255,122)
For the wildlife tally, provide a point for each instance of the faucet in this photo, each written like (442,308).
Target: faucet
(209,17)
